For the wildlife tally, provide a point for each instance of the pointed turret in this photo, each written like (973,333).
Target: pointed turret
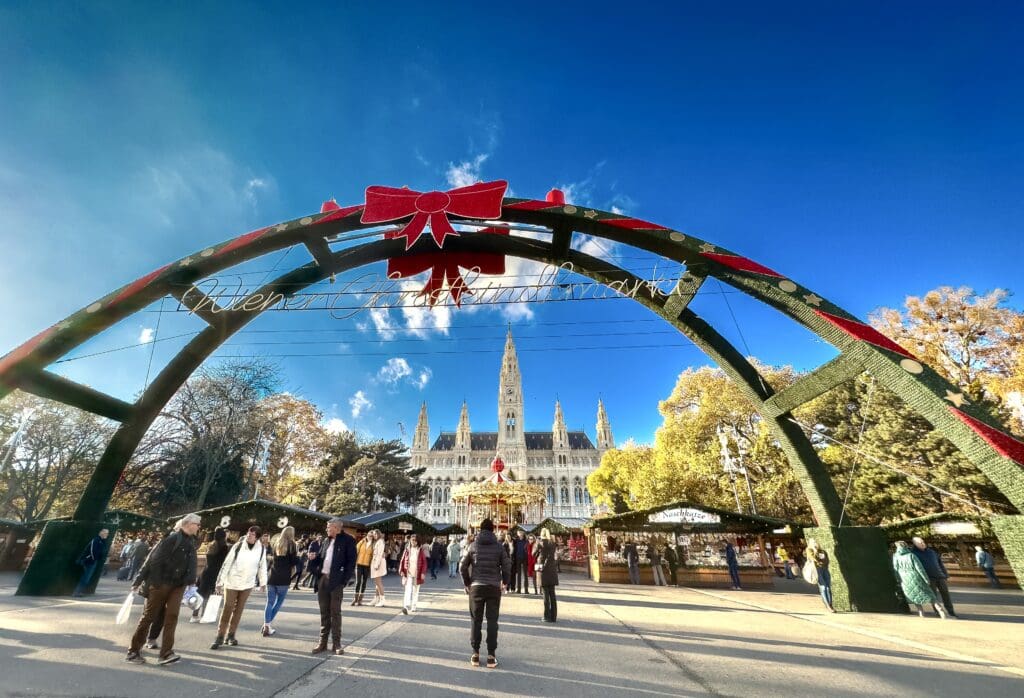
(605,440)
(511,437)
(462,434)
(421,439)
(559,434)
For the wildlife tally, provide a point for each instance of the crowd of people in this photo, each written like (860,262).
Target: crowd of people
(164,570)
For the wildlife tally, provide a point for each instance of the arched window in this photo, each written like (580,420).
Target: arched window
(551,495)
(565,494)
(577,495)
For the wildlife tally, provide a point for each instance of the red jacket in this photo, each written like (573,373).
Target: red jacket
(421,568)
(531,559)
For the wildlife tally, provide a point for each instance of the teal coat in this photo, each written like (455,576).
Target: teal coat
(913,578)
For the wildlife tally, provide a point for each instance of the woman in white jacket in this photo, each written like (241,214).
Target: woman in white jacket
(244,568)
(378,566)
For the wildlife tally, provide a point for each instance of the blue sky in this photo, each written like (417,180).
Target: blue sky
(868,150)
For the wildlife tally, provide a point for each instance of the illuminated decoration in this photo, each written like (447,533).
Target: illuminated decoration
(498,498)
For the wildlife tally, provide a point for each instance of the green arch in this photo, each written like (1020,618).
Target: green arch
(997,454)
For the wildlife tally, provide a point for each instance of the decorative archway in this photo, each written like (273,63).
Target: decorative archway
(858,552)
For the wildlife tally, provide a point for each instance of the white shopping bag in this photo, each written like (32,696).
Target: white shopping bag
(212,612)
(126,609)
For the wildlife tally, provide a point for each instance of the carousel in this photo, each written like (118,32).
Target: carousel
(498,498)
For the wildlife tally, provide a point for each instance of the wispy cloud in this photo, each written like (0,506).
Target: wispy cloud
(359,404)
(146,335)
(424,377)
(466,172)
(394,370)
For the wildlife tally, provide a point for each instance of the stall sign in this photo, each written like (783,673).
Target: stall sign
(684,515)
(955,528)
(404,526)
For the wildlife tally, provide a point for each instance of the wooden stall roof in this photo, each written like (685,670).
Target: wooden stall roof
(387,522)
(128,521)
(701,518)
(558,524)
(449,529)
(267,515)
(923,526)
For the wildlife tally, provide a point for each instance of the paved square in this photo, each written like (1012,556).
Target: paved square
(609,641)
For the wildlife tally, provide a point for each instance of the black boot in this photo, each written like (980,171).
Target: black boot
(218,642)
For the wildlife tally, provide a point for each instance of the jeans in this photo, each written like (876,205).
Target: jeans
(520,576)
(88,572)
(659,575)
(734,574)
(298,572)
(434,566)
(825,585)
(165,602)
(275,599)
(453,568)
(789,569)
(550,604)
(634,574)
(362,574)
(330,611)
(484,602)
(992,578)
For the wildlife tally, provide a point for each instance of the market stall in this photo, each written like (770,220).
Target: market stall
(269,516)
(698,534)
(954,535)
(571,541)
(15,539)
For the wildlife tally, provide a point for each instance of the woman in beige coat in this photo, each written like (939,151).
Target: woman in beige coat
(378,566)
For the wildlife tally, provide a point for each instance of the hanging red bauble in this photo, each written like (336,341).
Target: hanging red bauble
(497,465)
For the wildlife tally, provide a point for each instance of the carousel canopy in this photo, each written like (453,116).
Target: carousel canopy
(686,516)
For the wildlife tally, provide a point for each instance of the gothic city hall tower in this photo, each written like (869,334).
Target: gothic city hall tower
(558,460)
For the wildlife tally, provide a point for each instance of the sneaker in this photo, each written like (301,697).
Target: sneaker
(271,630)
(473,661)
(492,663)
(231,641)
(151,645)
(337,651)
(217,643)
(135,658)
(169,659)
(193,619)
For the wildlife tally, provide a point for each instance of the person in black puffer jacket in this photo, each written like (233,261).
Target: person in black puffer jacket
(167,570)
(215,555)
(486,570)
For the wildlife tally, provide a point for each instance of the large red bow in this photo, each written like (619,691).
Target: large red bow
(383,204)
(444,269)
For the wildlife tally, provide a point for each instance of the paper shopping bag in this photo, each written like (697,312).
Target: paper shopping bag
(212,612)
(126,609)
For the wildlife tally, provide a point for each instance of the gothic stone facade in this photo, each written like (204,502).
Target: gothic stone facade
(559,460)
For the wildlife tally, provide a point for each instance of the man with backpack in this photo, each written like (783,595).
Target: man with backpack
(167,570)
(244,569)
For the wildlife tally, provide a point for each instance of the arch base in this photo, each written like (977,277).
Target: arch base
(860,560)
(52,571)
(1010,532)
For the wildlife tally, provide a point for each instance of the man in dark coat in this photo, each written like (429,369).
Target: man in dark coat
(337,562)
(167,570)
(486,570)
(520,575)
(937,574)
(436,556)
(632,557)
(91,558)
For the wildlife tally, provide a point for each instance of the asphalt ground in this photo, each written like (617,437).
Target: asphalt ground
(610,640)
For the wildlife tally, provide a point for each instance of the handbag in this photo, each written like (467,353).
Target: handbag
(810,572)
(212,612)
(125,610)
(538,567)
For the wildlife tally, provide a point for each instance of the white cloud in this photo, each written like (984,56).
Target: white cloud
(359,403)
(336,426)
(466,172)
(424,378)
(381,319)
(618,211)
(394,370)
(146,336)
